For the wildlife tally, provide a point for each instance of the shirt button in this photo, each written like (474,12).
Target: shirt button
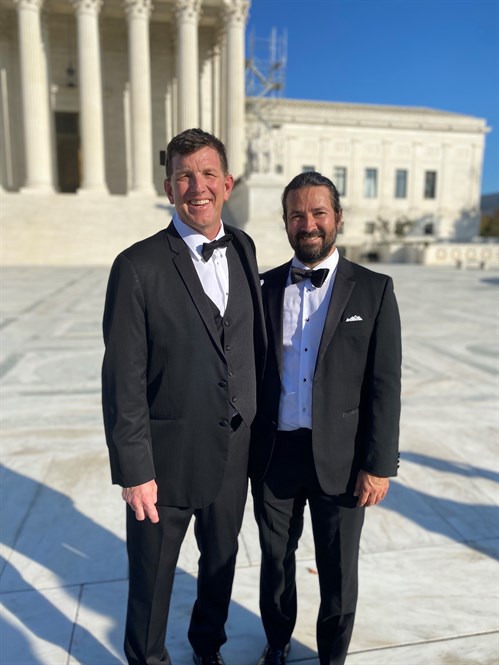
(304,380)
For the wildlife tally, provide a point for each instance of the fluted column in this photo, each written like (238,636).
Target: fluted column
(215,93)
(235,13)
(187,13)
(138,13)
(34,86)
(91,107)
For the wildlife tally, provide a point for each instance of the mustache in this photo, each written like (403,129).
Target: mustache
(304,235)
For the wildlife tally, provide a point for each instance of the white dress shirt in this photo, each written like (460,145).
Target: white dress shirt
(304,315)
(214,273)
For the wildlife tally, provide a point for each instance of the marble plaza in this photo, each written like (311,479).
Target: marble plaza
(429,561)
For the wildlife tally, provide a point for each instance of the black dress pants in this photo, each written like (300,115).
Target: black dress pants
(153,551)
(279,502)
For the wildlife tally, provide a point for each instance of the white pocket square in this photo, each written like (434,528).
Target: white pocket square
(355,317)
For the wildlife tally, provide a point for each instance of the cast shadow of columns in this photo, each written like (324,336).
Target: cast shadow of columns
(63,582)
(475,525)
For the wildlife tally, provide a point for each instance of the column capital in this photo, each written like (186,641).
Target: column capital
(187,10)
(29,4)
(91,7)
(235,11)
(140,9)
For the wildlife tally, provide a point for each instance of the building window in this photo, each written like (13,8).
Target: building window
(428,229)
(430,184)
(400,184)
(278,168)
(370,226)
(307,168)
(340,179)
(371,183)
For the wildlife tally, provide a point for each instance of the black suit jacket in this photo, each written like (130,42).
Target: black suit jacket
(164,387)
(356,390)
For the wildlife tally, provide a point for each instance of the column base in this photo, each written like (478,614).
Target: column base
(37,189)
(143,191)
(93,190)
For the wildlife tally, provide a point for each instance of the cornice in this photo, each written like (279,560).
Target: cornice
(280,110)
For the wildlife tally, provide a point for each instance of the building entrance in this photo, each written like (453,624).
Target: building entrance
(68,151)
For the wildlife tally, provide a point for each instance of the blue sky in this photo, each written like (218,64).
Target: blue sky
(441,54)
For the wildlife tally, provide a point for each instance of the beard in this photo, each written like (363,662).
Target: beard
(313,254)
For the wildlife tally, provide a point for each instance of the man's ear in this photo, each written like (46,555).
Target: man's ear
(168,190)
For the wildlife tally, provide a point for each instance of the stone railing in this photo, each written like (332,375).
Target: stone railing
(484,255)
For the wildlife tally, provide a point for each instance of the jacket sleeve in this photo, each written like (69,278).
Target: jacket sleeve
(124,377)
(382,389)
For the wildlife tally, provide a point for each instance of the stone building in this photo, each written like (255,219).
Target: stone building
(92,90)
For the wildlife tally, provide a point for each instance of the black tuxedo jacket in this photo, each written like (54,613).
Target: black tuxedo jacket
(356,389)
(164,387)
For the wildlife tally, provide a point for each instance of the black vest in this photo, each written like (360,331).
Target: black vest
(236,330)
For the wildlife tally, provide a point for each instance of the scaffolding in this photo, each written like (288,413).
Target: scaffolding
(265,70)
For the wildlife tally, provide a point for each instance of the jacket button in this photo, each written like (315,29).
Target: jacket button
(222,384)
(227,322)
(224,422)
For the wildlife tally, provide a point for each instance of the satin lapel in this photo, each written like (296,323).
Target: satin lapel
(343,287)
(183,263)
(251,270)
(274,305)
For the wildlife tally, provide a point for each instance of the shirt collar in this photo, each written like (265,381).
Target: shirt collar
(192,238)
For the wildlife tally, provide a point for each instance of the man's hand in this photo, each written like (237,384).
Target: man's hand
(142,500)
(370,489)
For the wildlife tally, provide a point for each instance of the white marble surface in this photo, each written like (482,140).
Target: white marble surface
(429,555)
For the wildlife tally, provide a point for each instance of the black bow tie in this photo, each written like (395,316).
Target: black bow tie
(209,247)
(317,277)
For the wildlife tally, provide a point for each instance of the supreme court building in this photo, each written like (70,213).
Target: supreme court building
(93,90)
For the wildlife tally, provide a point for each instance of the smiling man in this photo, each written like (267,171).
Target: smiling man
(327,426)
(185,342)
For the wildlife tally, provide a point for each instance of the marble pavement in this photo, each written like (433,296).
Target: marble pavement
(429,560)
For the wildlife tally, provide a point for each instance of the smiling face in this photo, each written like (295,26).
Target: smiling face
(311,223)
(198,187)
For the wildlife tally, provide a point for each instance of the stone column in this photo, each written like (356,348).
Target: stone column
(215,93)
(235,13)
(187,13)
(138,13)
(35,95)
(91,107)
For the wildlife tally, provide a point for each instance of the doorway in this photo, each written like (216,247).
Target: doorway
(68,151)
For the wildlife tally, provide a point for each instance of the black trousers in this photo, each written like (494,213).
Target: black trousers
(153,551)
(279,502)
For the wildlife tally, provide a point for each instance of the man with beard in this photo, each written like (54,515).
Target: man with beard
(327,426)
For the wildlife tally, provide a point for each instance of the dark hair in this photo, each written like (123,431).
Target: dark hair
(311,179)
(192,140)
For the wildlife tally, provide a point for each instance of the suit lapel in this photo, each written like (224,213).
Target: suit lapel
(343,287)
(182,260)
(274,305)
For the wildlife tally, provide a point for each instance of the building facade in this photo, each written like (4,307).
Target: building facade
(402,172)
(93,90)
